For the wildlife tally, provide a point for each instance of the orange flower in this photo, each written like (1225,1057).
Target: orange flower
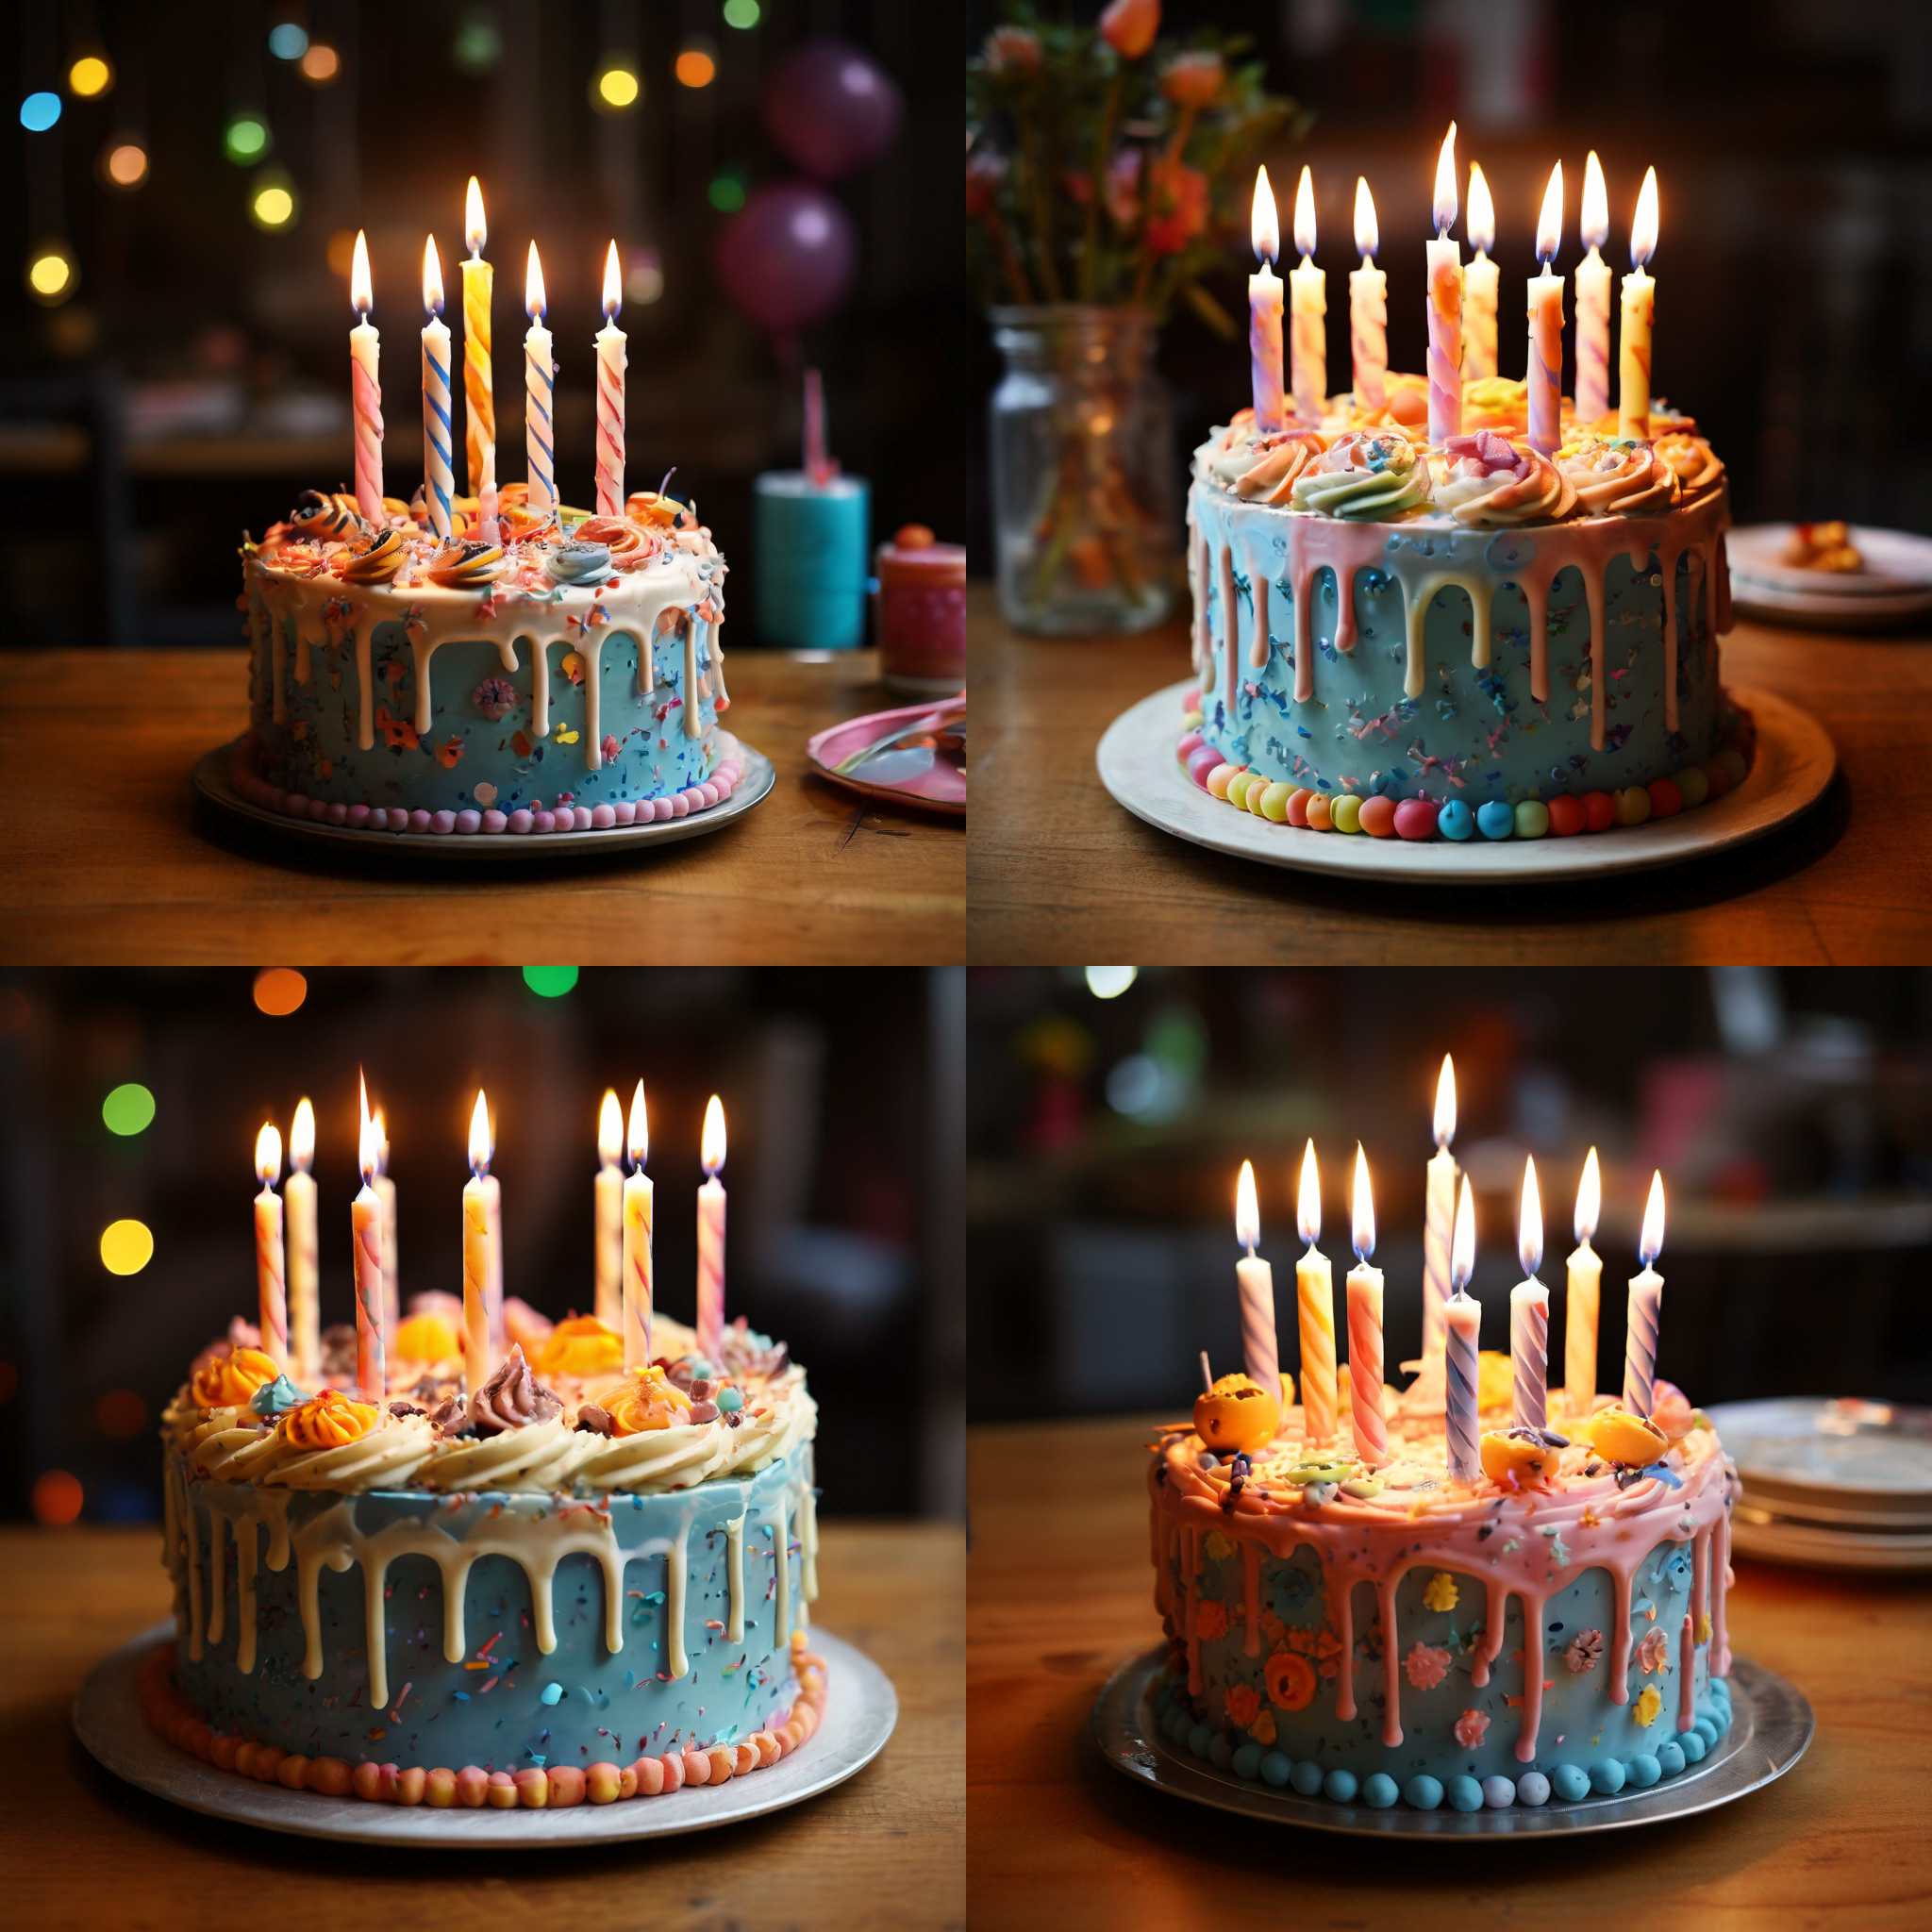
(1193,79)
(449,754)
(330,1419)
(230,1379)
(651,1400)
(520,743)
(1210,1620)
(1243,1704)
(1128,26)
(581,1346)
(1290,1681)
(1263,1729)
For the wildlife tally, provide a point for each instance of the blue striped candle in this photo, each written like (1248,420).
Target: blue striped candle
(1529,1315)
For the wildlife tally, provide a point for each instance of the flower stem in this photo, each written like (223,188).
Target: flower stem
(1043,210)
(1103,141)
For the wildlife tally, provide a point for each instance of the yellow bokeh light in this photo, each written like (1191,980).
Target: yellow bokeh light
(90,75)
(126,1247)
(50,276)
(127,164)
(321,64)
(617,87)
(273,206)
(696,68)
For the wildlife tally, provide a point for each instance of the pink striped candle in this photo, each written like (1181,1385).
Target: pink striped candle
(1445,303)
(1264,309)
(365,1226)
(711,1326)
(365,346)
(270,1278)
(1365,1327)
(1547,326)
(1529,1315)
(1646,1300)
(610,367)
(1593,302)
(1462,1319)
(1368,308)
(1438,1219)
(637,1208)
(1314,1284)
(1256,1282)
(1479,280)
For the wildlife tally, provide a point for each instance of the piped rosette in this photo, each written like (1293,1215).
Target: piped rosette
(373,560)
(1265,470)
(629,547)
(1486,481)
(1609,474)
(323,518)
(1695,464)
(464,565)
(1365,476)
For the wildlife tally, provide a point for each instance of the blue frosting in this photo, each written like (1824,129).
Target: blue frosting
(272,1398)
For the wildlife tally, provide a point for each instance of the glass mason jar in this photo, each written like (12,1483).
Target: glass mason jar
(1084,522)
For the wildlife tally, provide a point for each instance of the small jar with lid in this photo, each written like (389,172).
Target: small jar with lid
(921,613)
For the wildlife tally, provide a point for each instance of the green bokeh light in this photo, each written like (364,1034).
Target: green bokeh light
(726,193)
(741,13)
(550,982)
(479,45)
(246,138)
(128,1109)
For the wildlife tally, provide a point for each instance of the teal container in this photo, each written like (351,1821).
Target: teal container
(810,567)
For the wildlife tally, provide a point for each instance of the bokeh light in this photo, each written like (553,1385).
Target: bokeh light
(120,1414)
(479,45)
(320,64)
(643,278)
(271,204)
(696,68)
(341,252)
(617,85)
(39,111)
(727,192)
(741,14)
(90,75)
(128,1109)
(126,1247)
(1109,982)
(50,274)
(125,163)
(279,991)
(550,982)
(246,138)
(56,1498)
(287,40)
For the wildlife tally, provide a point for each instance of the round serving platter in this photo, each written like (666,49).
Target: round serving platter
(1771,1727)
(1793,765)
(215,787)
(860,1711)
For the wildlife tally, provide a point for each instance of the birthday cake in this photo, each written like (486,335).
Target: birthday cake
(537,672)
(572,1583)
(1550,1631)
(1463,638)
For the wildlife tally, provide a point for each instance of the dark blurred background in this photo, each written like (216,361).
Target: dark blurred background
(1794,150)
(1789,1111)
(175,349)
(842,1095)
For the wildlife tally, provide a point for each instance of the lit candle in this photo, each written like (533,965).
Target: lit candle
(1547,325)
(1439,1223)
(479,418)
(305,1324)
(1308,300)
(1445,303)
(637,1241)
(1462,1316)
(1646,1299)
(365,348)
(1480,281)
(1530,1314)
(712,1235)
(1368,308)
(1580,1304)
(540,381)
(438,481)
(1314,1285)
(1365,1327)
(365,1226)
(1256,1281)
(1639,309)
(1593,302)
(386,1193)
(1264,307)
(609,1226)
(611,362)
(479,1240)
(270,1277)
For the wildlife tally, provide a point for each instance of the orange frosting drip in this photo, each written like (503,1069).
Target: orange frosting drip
(581,1346)
(230,1379)
(330,1419)
(650,1401)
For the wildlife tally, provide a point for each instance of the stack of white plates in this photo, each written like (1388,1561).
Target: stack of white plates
(1894,586)
(1838,1483)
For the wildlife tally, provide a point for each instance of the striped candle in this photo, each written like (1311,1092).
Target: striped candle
(1462,1318)
(1255,1280)
(365,1225)
(1365,1328)
(1593,302)
(270,1274)
(1580,1304)
(439,480)
(1314,1283)
(1444,360)
(540,379)
(365,346)
(386,1193)
(1307,304)
(479,418)
(1640,308)
(1480,281)
(1646,1300)
(1264,309)
(611,365)
(637,1208)
(710,1322)
(1439,1218)
(1529,1315)
(1546,367)
(1368,308)
(305,1322)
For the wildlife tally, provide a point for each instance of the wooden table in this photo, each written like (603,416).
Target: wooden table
(1063,1593)
(110,862)
(84,1850)
(1061,874)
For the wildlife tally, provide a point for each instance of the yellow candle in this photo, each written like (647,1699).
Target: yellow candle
(386,1193)
(1640,306)
(610,1226)
(271,1273)
(1308,304)
(1586,1277)
(638,1284)
(1368,308)
(479,280)
(1593,302)
(305,1326)
(1480,281)
(1314,1285)
(479,1228)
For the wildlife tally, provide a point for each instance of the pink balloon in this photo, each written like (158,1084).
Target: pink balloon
(832,109)
(787,259)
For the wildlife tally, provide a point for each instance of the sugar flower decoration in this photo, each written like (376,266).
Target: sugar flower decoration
(1583,1652)
(1427,1665)
(1650,1701)
(1291,1680)
(1470,1728)
(1441,1592)
(1210,1620)
(1654,1653)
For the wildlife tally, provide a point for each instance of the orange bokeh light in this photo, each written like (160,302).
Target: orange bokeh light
(120,1413)
(279,991)
(696,68)
(321,64)
(56,1498)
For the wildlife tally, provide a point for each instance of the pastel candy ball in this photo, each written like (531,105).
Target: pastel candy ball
(1730,761)
(1707,1728)
(1298,806)
(1532,819)
(1305,1777)
(1499,1792)
(1424,1792)
(1257,792)
(1691,1745)
(1378,817)
(1379,1790)
(1464,1794)
(1644,1770)
(1599,811)
(1199,1739)
(1567,816)
(469,820)
(1247,1761)
(1666,801)
(1201,762)
(1341,1786)
(1633,806)
(1670,1757)
(1570,1782)
(1276,1766)
(1320,814)
(1692,787)
(1221,1753)
(1190,745)
(1220,777)
(1238,789)
(522,819)
(1345,814)
(1494,819)
(495,821)
(624,811)
(1532,1788)
(1415,818)
(1455,821)
(603,816)
(1606,1777)
(581,817)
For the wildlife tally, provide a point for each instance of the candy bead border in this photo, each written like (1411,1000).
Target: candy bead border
(1381,815)
(533,1789)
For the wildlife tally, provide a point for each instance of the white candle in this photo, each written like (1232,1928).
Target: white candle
(1480,281)
(1529,1315)
(1593,302)
(478,1232)
(611,364)
(1365,1327)
(1307,301)
(638,1282)
(365,388)
(480,414)
(1640,308)
(1547,326)
(271,1279)
(1444,260)
(1585,1274)
(1438,1222)
(1264,309)
(710,1325)
(1646,1301)
(609,1255)
(1256,1281)
(1462,1320)
(365,1227)
(386,1193)
(1368,308)
(304,1325)
(1314,1284)
(540,381)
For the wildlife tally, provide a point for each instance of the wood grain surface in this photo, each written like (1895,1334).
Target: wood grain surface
(83,1850)
(1061,874)
(1063,1593)
(112,863)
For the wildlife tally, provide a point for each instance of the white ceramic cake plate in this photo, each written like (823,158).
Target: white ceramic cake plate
(1790,770)
(486,848)
(1771,1727)
(861,1711)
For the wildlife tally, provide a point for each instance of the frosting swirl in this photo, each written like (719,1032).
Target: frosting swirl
(512,1398)
(316,515)
(581,1346)
(232,1378)
(1497,402)
(578,562)
(463,566)
(1370,477)
(1488,482)
(1264,469)
(1609,474)
(373,562)
(1691,457)
(648,1400)
(329,1420)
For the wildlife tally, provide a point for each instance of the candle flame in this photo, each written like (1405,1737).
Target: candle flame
(711,1144)
(360,298)
(610,1129)
(1247,1211)
(613,285)
(432,277)
(475,231)
(1445,183)
(1364,1206)
(1305,213)
(268,1154)
(1596,204)
(1462,1241)
(1549,223)
(640,1135)
(1446,1103)
(479,1136)
(365,1134)
(1368,236)
(1482,211)
(1307,1205)
(1529,1222)
(1590,1199)
(1264,223)
(1650,1243)
(301,1136)
(1643,229)
(534,305)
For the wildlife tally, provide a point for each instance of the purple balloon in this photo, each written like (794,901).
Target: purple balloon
(787,259)
(832,109)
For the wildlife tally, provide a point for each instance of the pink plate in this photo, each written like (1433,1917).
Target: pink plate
(940,787)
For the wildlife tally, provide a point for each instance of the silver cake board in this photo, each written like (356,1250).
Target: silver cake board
(1770,1729)
(861,1711)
